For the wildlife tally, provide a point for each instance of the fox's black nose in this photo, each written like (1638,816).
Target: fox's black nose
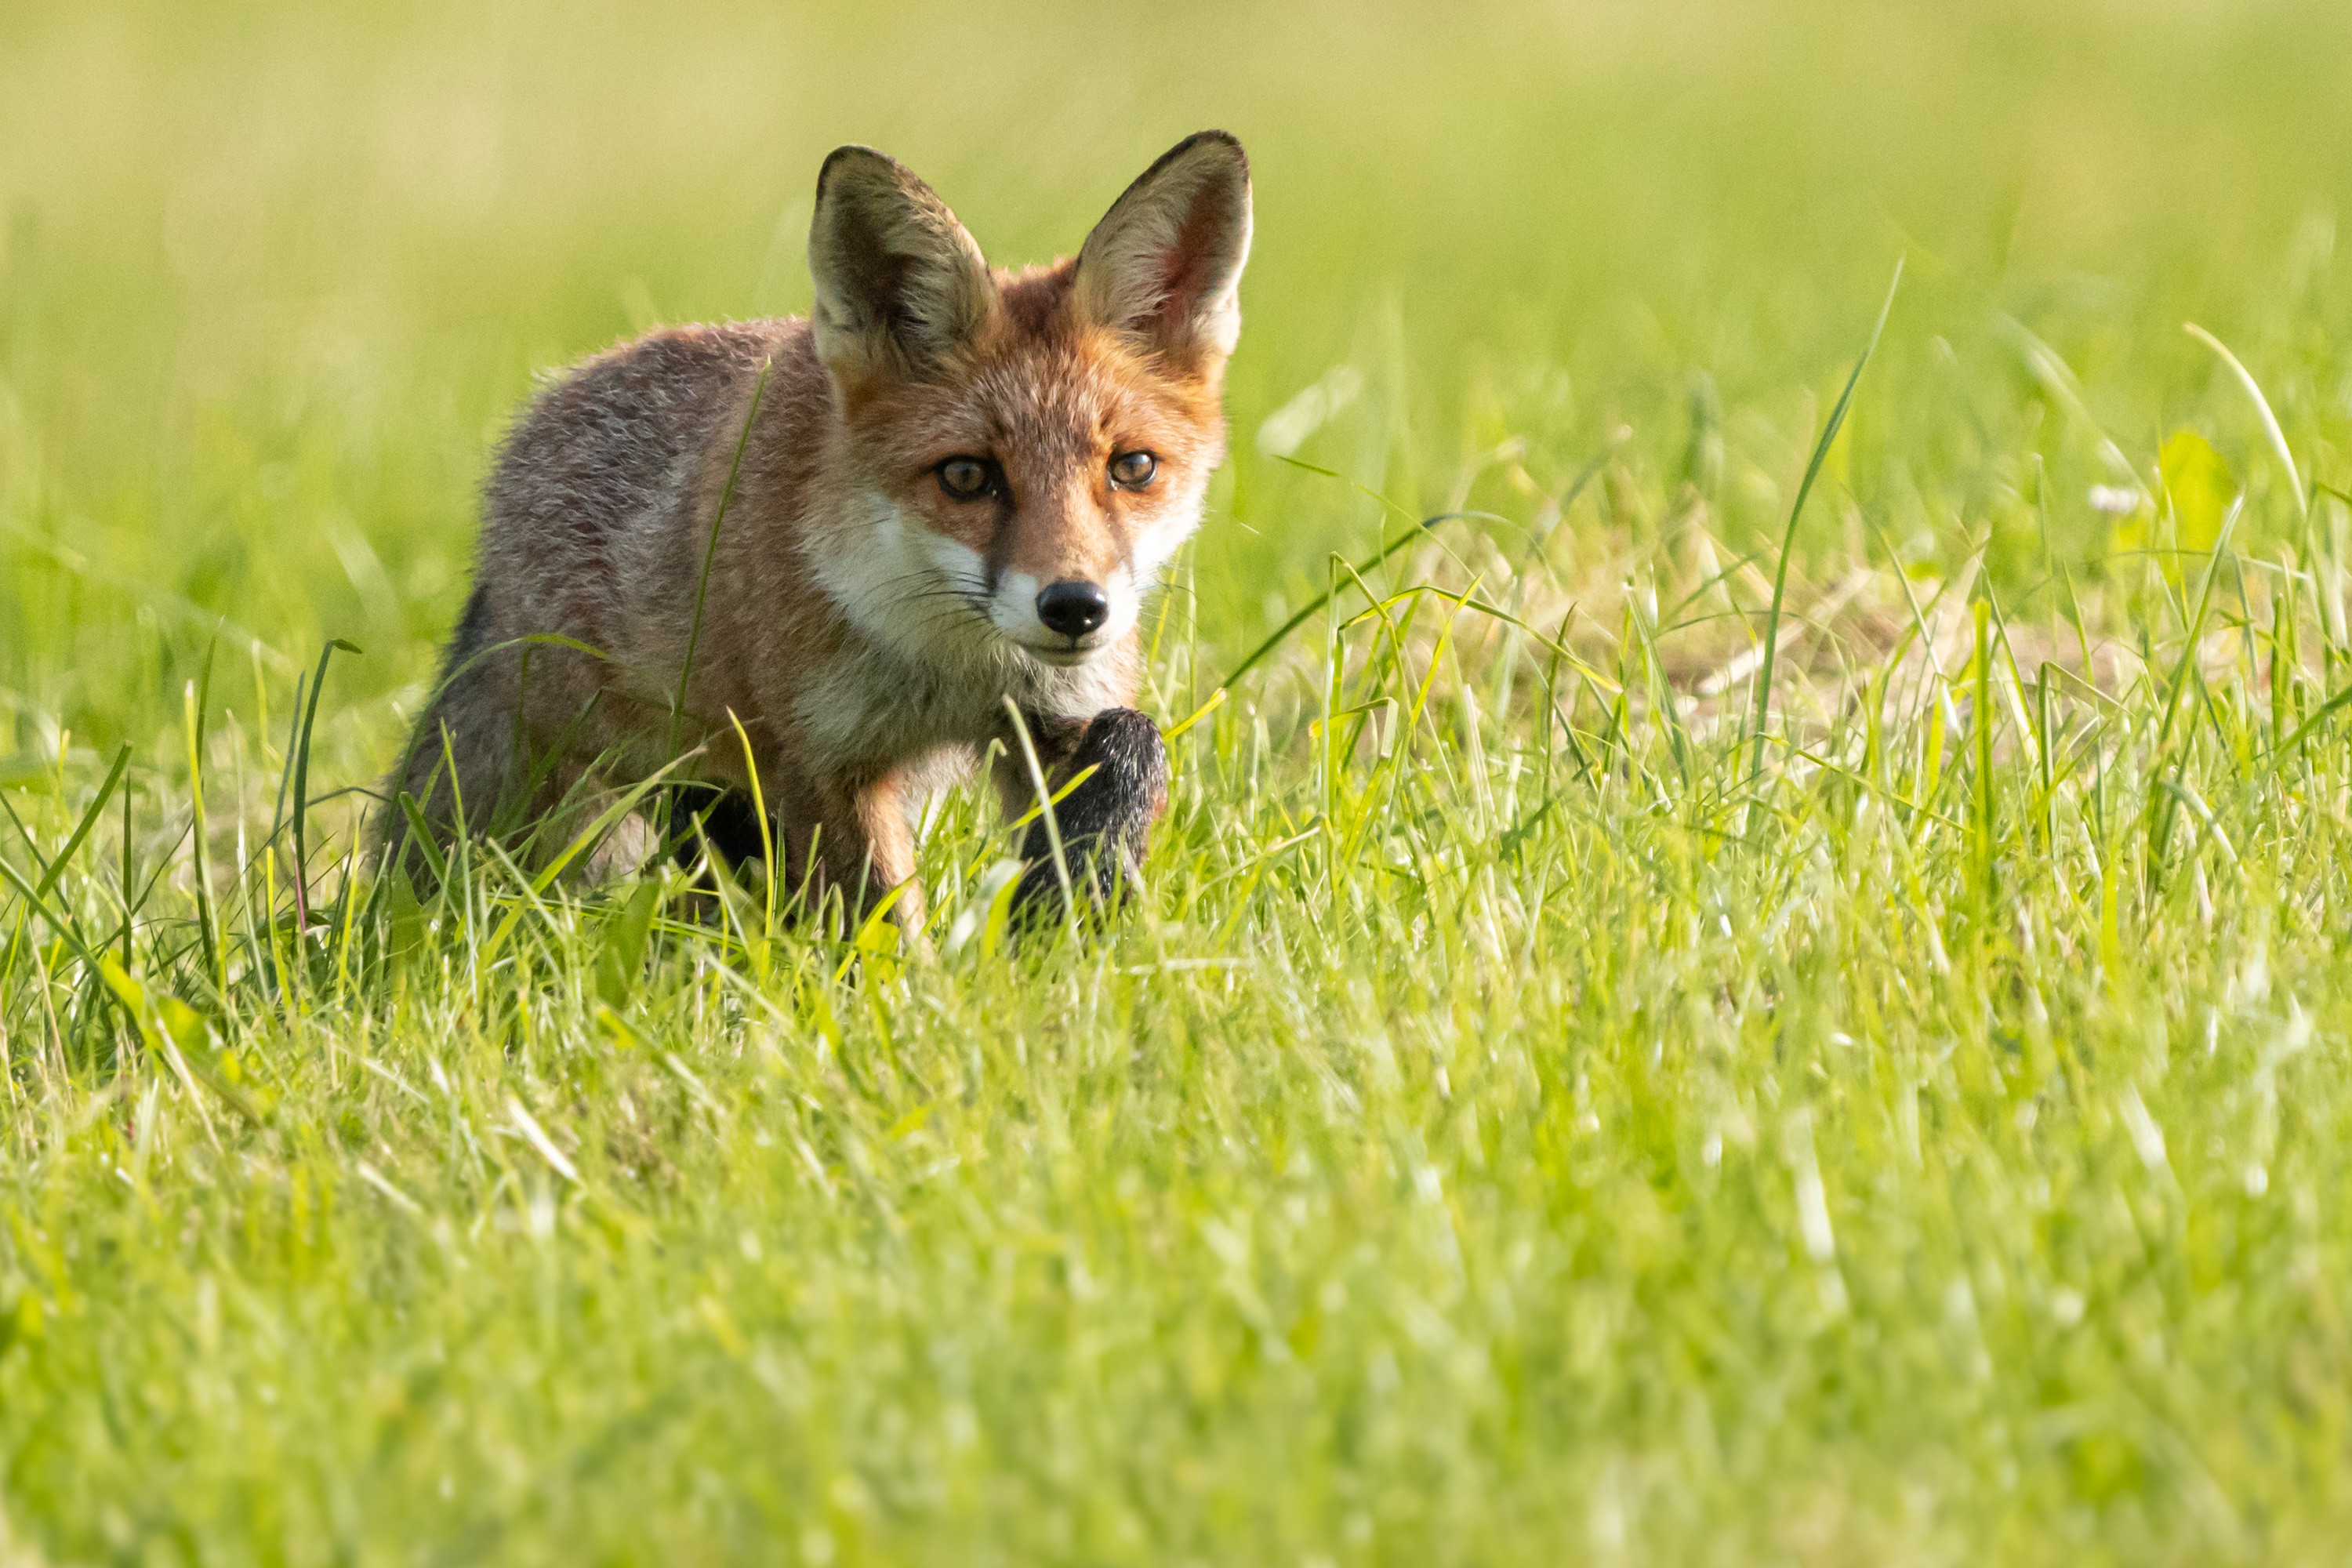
(1073,607)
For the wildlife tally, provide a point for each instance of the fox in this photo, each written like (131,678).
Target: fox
(832,564)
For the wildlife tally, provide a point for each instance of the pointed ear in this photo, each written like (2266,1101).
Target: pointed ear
(900,287)
(1164,266)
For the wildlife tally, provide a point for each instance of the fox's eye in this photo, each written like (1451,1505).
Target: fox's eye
(965,479)
(1133,469)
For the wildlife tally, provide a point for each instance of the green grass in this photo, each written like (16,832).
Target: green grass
(1529,1118)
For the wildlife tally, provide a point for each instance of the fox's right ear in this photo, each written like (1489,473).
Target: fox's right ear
(901,285)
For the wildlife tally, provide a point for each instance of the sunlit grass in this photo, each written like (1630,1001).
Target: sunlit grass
(1534,1112)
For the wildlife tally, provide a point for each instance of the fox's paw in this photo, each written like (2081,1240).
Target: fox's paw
(1105,823)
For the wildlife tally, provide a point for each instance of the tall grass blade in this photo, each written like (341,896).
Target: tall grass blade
(1313,606)
(195,700)
(302,784)
(2262,406)
(1789,537)
(56,868)
(711,554)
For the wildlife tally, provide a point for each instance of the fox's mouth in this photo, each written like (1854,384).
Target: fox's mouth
(1061,656)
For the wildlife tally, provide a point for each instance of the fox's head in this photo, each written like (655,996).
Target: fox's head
(1029,450)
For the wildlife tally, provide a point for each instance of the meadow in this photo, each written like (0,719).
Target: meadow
(1747,962)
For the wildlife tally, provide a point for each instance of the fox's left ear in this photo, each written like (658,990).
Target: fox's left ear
(1164,266)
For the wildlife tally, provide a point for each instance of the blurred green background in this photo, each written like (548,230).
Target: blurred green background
(274,276)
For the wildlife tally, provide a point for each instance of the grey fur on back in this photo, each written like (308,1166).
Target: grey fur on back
(585,533)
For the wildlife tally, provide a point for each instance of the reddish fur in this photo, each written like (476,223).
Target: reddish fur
(602,510)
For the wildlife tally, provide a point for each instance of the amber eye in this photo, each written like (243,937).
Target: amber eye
(1133,469)
(966,479)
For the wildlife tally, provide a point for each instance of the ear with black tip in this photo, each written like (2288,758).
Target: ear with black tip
(1164,266)
(901,285)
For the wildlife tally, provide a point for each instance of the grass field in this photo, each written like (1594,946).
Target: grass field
(1533,1116)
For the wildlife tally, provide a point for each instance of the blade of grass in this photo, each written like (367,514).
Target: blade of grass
(195,699)
(711,553)
(53,869)
(1045,805)
(767,841)
(2158,820)
(1314,606)
(302,784)
(1789,539)
(2262,406)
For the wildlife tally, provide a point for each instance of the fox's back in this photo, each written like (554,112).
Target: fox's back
(590,511)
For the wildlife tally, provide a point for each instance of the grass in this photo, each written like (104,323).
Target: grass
(1537,1112)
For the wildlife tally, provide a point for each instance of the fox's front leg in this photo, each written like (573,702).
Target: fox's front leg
(850,836)
(1104,825)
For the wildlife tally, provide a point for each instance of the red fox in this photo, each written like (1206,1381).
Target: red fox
(868,537)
